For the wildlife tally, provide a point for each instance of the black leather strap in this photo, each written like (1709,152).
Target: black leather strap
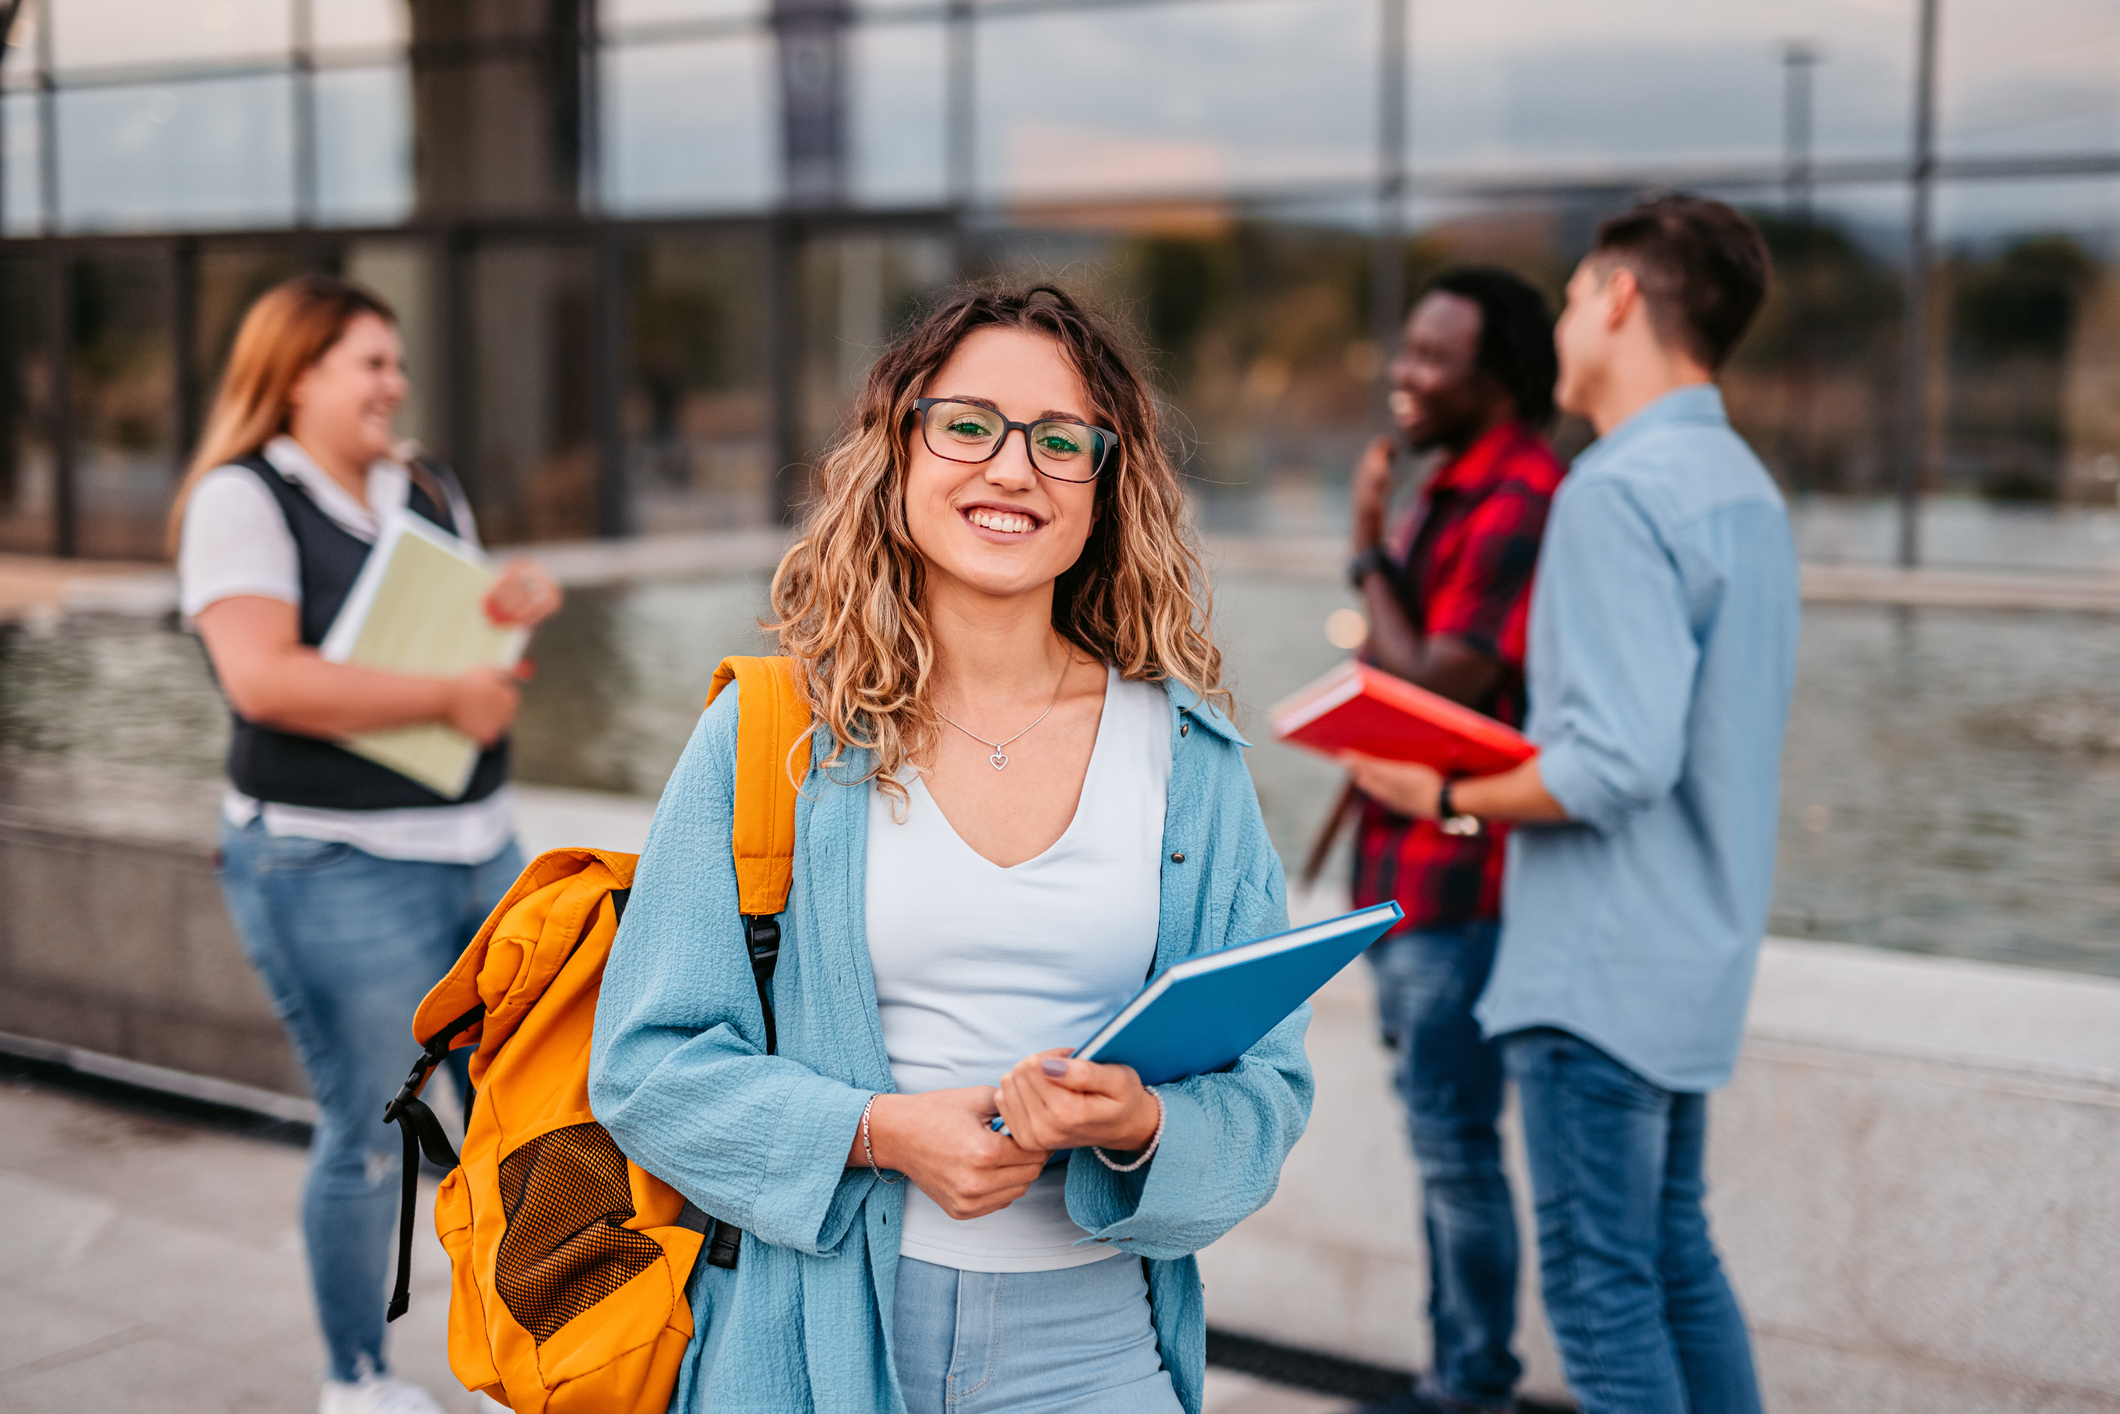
(761,936)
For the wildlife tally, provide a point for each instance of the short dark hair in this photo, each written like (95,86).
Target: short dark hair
(1702,268)
(1516,334)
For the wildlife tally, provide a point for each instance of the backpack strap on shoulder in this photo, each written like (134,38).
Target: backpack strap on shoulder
(772,758)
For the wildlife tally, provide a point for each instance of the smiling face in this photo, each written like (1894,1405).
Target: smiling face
(999,529)
(344,404)
(1438,396)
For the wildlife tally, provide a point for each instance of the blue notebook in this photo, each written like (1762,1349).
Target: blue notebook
(1199,1015)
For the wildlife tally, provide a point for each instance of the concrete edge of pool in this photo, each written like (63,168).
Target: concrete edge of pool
(36,586)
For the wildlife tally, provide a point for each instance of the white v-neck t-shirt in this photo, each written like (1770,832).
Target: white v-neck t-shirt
(977,966)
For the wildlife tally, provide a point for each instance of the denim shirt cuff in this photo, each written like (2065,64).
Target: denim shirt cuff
(1577,789)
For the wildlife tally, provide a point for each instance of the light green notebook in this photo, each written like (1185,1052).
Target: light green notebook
(415,609)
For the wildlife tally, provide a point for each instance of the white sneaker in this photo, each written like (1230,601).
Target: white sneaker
(375,1394)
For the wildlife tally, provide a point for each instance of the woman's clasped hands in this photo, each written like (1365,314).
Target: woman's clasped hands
(1053,1102)
(944,1141)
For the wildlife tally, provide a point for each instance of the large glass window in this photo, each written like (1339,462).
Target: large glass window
(1193,99)
(2014,84)
(189,114)
(532,336)
(23,193)
(225,279)
(364,146)
(2028,331)
(697,405)
(27,467)
(123,405)
(691,126)
(897,104)
(202,153)
(1551,85)
(1815,386)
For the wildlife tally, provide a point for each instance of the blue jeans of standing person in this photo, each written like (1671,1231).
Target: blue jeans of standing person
(1644,1317)
(1073,1341)
(347,945)
(1451,1081)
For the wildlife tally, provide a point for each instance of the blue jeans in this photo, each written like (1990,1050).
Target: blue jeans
(1644,1318)
(1451,1081)
(1073,1341)
(347,945)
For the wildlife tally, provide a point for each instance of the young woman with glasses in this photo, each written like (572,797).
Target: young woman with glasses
(1025,801)
(353,888)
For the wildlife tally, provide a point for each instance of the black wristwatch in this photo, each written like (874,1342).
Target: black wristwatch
(1371,561)
(1450,819)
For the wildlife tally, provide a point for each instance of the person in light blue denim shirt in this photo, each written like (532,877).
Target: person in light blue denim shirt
(1662,656)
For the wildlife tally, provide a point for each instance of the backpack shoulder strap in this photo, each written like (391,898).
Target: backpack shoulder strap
(772,755)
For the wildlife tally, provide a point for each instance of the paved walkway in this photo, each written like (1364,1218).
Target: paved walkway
(150,1266)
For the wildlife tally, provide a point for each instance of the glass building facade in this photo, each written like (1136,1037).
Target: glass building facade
(643,250)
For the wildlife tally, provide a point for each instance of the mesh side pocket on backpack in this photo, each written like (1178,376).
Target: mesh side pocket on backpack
(563,1197)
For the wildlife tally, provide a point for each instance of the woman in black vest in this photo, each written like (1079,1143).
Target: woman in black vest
(353,888)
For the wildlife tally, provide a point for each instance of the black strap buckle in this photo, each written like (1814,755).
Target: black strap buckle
(422,1133)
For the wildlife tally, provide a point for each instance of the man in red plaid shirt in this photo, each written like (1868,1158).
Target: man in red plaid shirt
(1447,597)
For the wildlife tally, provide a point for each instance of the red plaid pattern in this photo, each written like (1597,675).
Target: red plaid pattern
(1462,564)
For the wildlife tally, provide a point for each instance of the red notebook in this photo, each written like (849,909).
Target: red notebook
(1358,708)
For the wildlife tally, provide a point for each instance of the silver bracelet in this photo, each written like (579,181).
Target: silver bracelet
(1146,1154)
(870,1154)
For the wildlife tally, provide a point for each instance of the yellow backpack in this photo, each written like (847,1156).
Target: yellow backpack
(569,1261)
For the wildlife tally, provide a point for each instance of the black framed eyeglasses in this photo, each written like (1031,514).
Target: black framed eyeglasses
(972,432)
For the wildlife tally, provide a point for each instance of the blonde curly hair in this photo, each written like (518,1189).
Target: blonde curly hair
(848,596)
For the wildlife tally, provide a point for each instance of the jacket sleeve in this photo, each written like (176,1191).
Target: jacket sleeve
(1614,637)
(1225,1135)
(678,1072)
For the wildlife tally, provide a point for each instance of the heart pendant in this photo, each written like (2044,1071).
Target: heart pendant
(998,759)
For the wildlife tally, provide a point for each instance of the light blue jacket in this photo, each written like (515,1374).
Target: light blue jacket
(679,1075)
(1662,655)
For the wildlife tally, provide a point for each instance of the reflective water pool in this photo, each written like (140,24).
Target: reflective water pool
(1952,779)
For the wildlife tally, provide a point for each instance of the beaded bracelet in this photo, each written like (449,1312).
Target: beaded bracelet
(1146,1154)
(870,1154)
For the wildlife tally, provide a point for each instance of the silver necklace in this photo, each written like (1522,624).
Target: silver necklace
(1000,757)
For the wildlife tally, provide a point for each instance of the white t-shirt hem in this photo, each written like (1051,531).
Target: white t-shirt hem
(989,1260)
(442,834)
